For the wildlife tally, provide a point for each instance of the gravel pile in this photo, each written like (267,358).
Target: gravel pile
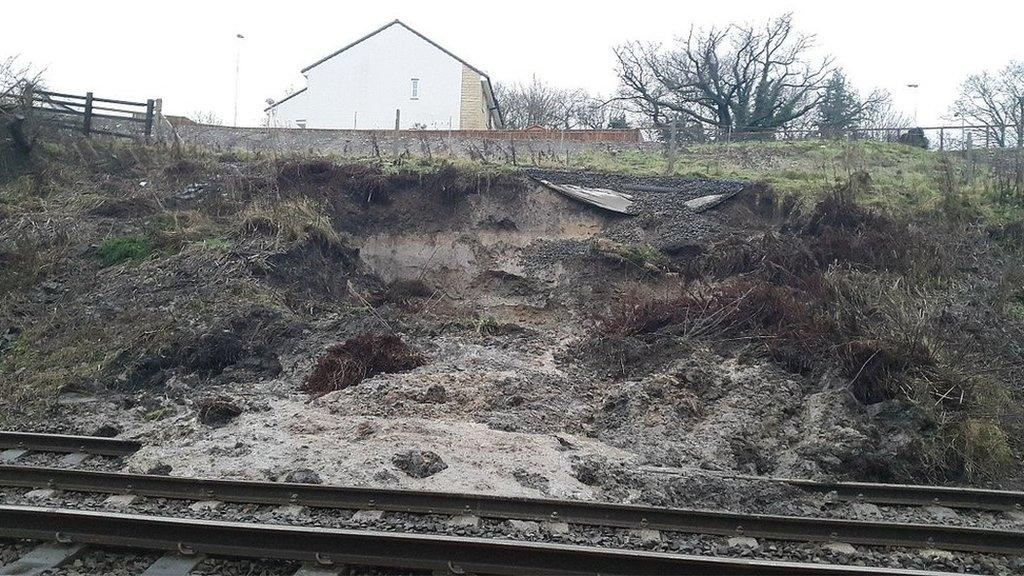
(662,219)
(575,534)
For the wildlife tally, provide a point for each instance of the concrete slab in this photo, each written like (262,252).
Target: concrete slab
(941,512)
(12,454)
(367,516)
(289,510)
(204,505)
(840,548)
(605,198)
(1014,515)
(526,526)
(121,500)
(43,494)
(742,542)
(865,509)
(310,569)
(464,520)
(934,553)
(706,202)
(555,527)
(174,565)
(646,534)
(74,458)
(43,558)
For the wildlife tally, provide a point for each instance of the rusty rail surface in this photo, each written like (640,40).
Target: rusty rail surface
(67,443)
(450,554)
(802,529)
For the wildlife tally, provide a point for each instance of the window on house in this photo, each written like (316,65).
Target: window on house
(415,88)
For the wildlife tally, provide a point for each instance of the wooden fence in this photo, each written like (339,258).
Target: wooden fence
(90,114)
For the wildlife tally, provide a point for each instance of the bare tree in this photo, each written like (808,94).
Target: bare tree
(14,73)
(994,100)
(743,78)
(206,117)
(544,105)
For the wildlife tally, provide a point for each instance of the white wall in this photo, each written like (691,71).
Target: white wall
(364,85)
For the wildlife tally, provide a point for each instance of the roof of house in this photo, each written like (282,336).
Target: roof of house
(383,28)
(288,97)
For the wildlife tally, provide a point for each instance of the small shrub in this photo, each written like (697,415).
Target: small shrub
(121,249)
(358,358)
(296,221)
(876,365)
(972,450)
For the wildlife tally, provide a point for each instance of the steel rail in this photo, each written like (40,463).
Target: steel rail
(898,494)
(399,550)
(67,443)
(793,528)
(916,495)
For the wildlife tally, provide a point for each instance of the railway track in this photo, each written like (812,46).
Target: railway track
(14,445)
(202,536)
(892,494)
(69,531)
(335,547)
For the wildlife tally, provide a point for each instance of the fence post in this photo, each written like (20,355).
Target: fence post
(87,120)
(671,165)
(27,98)
(398,118)
(564,149)
(1020,150)
(158,119)
(942,139)
(149,117)
(1020,124)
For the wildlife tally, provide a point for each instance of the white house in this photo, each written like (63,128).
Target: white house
(393,76)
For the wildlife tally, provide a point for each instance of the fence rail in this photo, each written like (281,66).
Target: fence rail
(939,137)
(90,114)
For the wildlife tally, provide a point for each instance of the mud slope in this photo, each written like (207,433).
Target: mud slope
(521,304)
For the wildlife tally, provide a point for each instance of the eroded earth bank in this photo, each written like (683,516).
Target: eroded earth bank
(469,329)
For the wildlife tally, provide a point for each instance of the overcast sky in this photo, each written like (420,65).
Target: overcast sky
(184,51)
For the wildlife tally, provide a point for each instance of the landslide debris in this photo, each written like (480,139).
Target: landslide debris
(258,316)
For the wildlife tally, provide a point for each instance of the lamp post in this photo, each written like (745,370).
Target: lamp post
(914,87)
(238,58)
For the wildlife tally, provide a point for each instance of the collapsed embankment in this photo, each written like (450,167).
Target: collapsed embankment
(465,328)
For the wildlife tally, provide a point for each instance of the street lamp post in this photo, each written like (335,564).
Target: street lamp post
(914,87)
(238,58)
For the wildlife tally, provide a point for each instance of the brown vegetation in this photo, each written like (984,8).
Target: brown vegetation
(358,358)
(845,291)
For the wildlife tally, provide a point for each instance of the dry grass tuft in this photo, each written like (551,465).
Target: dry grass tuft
(358,358)
(291,222)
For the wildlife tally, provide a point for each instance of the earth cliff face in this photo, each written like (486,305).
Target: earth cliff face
(563,350)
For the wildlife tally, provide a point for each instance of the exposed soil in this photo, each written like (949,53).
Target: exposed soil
(463,326)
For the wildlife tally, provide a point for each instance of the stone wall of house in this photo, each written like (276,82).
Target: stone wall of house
(519,147)
(473,112)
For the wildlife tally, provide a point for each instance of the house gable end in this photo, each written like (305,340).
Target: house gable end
(383,28)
